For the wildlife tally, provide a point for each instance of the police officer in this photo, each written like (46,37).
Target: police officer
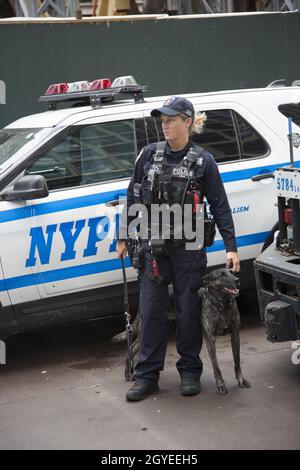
(178,265)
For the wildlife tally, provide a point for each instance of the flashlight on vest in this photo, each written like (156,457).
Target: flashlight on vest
(196,202)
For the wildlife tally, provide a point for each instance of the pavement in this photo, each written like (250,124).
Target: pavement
(64,388)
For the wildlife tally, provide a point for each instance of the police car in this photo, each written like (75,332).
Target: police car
(64,172)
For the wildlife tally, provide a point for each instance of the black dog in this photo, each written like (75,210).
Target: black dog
(220,315)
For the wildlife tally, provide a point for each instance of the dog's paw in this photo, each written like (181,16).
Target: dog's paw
(244,383)
(222,390)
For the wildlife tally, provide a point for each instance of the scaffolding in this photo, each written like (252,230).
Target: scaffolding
(68,8)
(36,8)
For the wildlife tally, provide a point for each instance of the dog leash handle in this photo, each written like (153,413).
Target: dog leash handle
(129,376)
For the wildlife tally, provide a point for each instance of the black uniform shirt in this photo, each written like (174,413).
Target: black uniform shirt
(206,173)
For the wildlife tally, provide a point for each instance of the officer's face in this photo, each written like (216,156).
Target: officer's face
(175,128)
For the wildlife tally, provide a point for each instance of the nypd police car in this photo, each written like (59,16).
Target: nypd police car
(64,175)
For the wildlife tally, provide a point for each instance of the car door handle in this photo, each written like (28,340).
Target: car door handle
(114,202)
(263,176)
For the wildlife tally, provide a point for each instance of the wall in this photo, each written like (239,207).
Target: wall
(170,54)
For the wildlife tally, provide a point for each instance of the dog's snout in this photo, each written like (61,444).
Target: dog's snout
(236,282)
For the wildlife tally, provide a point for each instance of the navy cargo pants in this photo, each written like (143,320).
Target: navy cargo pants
(185,269)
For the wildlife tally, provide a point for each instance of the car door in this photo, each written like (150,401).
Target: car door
(244,147)
(68,240)
(18,283)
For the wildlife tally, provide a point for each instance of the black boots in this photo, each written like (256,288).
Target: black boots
(141,390)
(190,385)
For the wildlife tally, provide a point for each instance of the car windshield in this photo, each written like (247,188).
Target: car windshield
(12,140)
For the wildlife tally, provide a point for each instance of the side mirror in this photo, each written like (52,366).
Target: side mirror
(27,187)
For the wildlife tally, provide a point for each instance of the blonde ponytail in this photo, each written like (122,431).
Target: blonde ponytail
(198,124)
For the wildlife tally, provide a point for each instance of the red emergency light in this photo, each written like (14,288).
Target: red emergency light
(100,84)
(57,89)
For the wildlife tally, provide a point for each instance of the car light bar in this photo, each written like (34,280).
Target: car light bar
(96,92)
(57,89)
(78,86)
(128,80)
(100,84)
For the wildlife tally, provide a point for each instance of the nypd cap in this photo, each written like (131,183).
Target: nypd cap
(175,105)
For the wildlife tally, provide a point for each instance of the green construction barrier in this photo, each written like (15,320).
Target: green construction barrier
(171,55)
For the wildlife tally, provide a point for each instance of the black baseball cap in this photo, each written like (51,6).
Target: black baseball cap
(175,105)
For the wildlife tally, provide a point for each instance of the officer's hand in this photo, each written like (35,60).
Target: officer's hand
(121,249)
(232,259)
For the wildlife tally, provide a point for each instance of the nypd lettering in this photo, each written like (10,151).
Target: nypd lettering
(42,239)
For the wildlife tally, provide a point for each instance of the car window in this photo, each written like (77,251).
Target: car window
(12,140)
(219,136)
(252,144)
(141,135)
(89,154)
(228,137)
(152,130)
(159,129)
(146,132)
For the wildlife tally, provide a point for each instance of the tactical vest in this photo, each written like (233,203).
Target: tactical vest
(166,183)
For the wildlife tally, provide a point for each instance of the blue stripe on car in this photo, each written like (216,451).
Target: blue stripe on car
(105,266)
(58,206)
(94,199)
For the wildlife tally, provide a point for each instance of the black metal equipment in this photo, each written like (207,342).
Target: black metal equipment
(130,371)
(277,269)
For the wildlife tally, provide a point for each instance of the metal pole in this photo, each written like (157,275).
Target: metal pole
(290,121)
(230,7)
(290,5)
(73,6)
(179,7)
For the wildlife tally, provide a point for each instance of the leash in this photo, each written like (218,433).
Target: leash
(130,374)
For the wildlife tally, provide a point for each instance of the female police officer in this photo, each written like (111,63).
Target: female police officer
(177,264)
